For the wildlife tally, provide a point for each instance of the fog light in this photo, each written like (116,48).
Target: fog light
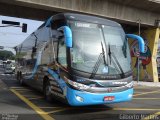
(80,99)
(130,96)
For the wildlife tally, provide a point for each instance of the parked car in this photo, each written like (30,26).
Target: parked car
(13,67)
(8,70)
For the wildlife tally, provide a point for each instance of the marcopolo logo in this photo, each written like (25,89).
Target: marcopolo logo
(119,83)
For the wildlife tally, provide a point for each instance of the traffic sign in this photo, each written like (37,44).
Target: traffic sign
(24,27)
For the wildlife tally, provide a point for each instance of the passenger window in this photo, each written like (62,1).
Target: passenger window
(62,58)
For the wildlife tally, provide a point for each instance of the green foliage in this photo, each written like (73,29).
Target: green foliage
(4,55)
(20,55)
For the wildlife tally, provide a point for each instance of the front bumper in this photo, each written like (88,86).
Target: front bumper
(96,98)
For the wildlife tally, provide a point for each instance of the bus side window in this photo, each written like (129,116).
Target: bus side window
(62,58)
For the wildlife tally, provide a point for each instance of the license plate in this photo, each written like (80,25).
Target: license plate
(108,98)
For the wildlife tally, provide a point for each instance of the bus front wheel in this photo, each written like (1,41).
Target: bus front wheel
(17,76)
(47,91)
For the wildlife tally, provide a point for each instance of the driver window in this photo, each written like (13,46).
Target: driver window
(62,58)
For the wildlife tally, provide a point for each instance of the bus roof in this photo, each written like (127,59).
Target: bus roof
(30,40)
(85,18)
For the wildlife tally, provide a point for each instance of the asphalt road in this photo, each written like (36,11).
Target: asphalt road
(24,103)
(11,106)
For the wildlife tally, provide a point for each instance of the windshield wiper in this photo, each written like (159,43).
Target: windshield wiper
(111,54)
(103,53)
(124,48)
(98,62)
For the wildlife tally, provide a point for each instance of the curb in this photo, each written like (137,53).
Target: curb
(149,84)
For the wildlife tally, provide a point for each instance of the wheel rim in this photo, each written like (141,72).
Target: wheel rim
(48,90)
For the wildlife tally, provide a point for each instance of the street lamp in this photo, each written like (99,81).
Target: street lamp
(10,22)
(15,24)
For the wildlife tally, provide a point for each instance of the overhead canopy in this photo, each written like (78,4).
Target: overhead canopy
(149,5)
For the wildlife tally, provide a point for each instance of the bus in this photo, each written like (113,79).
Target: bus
(78,59)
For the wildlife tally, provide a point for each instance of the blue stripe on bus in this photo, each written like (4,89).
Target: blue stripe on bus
(33,72)
(60,81)
(36,66)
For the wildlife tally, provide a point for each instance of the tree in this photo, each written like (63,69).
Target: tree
(20,55)
(4,55)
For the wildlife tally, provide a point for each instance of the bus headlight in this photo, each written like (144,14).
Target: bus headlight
(129,85)
(130,96)
(80,99)
(78,85)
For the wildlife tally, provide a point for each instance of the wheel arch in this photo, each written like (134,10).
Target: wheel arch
(45,80)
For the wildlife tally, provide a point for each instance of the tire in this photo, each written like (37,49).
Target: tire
(47,92)
(17,76)
(21,79)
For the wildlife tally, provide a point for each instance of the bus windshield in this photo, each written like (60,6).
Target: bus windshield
(87,47)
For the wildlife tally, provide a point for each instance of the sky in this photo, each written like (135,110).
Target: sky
(12,36)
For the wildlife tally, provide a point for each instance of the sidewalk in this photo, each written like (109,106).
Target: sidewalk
(150,84)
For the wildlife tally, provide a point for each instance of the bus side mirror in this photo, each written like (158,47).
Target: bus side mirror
(58,35)
(68,35)
(139,39)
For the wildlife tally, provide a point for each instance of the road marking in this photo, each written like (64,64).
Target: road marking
(42,113)
(147,98)
(123,109)
(147,93)
(20,89)
(136,109)
(139,87)
(47,117)
(59,110)
(137,92)
(145,87)
(50,107)
(35,98)
(153,116)
(24,90)
(32,96)
(16,87)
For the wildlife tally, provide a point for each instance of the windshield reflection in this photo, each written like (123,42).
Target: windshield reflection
(87,39)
